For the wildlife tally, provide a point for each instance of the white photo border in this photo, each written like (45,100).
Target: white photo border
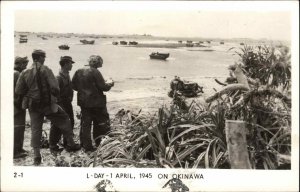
(75,179)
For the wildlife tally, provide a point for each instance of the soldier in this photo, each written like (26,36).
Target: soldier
(64,101)
(40,89)
(19,113)
(90,85)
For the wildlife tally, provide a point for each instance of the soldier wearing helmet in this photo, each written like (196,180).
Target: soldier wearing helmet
(19,113)
(64,100)
(90,85)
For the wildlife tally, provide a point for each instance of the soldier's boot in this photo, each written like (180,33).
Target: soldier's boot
(71,145)
(37,160)
(19,154)
(101,130)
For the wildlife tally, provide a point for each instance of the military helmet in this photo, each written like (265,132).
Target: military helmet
(38,52)
(20,60)
(66,59)
(94,60)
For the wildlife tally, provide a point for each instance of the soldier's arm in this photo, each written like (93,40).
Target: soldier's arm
(21,86)
(52,81)
(60,82)
(16,77)
(74,81)
(100,82)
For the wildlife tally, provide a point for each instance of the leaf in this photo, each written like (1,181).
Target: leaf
(198,160)
(186,152)
(215,163)
(143,152)
(123,152)
(120,161)
(192,128)
(274,137)
(207,154)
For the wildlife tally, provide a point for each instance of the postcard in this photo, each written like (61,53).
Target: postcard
(149,96)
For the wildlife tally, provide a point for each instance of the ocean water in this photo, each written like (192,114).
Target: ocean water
(134,73)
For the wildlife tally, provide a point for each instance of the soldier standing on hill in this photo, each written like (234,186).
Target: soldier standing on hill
(19,113)
(64,101)
(40,89)
(90,85)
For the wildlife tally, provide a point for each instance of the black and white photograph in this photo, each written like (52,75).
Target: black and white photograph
(149,96)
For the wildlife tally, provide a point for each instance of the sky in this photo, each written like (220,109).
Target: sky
(159,22)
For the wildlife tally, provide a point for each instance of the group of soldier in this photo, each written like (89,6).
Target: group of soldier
(43,94)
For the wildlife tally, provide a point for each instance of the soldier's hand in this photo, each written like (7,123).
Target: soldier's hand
(112,84)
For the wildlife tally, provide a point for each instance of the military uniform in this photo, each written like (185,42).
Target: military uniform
(40,89)
(19,113)
(64,101)
(90,85)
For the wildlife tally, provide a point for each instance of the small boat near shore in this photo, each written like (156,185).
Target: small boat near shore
(64,47)
(123,42)
(23,39)
(189,45)
(161,56)
(85,42)
(133,43)
(115,43)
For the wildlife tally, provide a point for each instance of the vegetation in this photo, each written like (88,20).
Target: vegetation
(192,135)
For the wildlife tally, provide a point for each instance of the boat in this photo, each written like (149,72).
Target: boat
(242,44)
(87,42)
(44,38)
(64,47)
(133,43)
(222,42)
(179,41)
(189,45)
(208,41)
(161,56)
(123,42)
(115,43)
(23,39)
(189,41)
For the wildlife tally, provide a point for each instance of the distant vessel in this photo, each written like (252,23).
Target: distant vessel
(44,38)
(23,39)
(157,55)
(133,43)
(123,42)
(242,44)
(115,43)
(189,45)
(64,47)
(87,42)
(222,42)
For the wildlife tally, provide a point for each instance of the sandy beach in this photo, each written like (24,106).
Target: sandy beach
(147,101)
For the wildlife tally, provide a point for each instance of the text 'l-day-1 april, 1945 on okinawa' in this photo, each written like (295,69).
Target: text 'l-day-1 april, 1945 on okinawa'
(143,176)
